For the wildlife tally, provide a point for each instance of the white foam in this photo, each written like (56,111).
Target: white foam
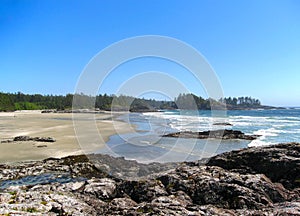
(268,132)
(259,142)
(270,128)
(264,134)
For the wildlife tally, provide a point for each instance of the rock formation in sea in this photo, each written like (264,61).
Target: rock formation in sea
(215,134)
(253,181)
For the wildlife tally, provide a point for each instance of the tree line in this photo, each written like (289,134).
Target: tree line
(241,101)
(20,101)
(191,101)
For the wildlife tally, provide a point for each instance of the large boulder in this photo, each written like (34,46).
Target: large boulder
(280,163)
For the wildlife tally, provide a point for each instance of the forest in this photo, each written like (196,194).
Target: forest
(191,101)
(20,101)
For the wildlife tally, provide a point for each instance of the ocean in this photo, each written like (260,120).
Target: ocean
(147,144)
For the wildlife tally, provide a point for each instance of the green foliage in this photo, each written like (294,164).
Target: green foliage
(27,106)
(241,101)
(6,103)
(20,101)
(192,102)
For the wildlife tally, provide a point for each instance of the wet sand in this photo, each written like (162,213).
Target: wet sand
(61,128)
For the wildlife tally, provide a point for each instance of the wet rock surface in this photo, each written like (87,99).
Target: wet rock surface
(254,181)
(215,134)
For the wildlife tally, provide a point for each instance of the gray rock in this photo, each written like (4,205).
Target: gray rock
(104,188)
(215,134)
(77,185)
(278,162)
(255,181)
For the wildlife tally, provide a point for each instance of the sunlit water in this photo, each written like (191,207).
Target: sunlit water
(147,145)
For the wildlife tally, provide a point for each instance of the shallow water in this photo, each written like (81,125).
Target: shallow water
(45,178)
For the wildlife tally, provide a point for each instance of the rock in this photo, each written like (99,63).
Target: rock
(218,187)
(6,141)
(104,188)
(126,169)
(120,206)
(254,181)
(141,191)
(21,138)
(223,124)
(123,203)
(41,146)
(37,139)
(77,185)
(47,111)
(216,134)
(43,139)
(280,163)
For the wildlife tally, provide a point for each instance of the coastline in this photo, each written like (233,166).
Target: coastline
(252,181)
(56,125)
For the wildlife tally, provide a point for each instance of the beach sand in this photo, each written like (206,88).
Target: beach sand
(58,126)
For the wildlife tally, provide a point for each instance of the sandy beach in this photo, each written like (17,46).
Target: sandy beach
(58,126)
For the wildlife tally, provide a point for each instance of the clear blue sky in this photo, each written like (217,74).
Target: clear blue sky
(254,46)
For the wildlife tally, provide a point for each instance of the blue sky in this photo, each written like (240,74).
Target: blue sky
(253,46)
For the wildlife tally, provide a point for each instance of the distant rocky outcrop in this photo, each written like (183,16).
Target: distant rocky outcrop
(254,181)
(216,134)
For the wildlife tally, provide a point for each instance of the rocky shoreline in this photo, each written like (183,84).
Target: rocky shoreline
(253,181)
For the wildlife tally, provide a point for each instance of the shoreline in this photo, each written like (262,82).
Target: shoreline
(56,125)
(244,182)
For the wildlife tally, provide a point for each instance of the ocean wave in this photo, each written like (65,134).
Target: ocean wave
(268,132)
(259,142)
(273,127)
